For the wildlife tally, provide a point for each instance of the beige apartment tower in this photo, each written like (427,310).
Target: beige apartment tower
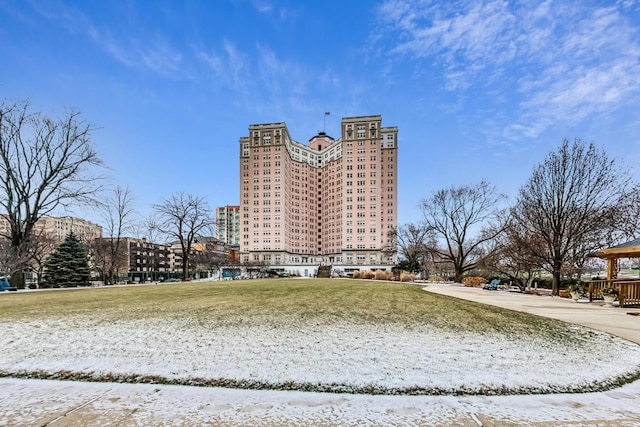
(332,201)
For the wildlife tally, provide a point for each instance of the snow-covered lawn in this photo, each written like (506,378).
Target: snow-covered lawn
(315,353)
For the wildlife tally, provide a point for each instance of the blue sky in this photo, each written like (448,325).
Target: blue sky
(478,89)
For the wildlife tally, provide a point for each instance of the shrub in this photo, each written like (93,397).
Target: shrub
(473,281)
(569,283)
(437,279)
(542,283)
(356,274)
(368,274)
(546,283)
(577,288)
(406,277)
(382,275)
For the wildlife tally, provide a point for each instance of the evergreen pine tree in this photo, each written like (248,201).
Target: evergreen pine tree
(68,265)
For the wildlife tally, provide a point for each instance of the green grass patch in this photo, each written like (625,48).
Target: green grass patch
(278,301)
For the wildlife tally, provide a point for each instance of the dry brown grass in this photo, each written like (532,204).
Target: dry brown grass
(473,281)
(382,275)
(405,277)
(368,274)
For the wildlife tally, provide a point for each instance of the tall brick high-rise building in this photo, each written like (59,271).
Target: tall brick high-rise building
(332,201)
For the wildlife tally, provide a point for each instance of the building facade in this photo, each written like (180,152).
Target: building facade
(60,227)
(207,254)
(57,228)
(228,224)
(136,259)
(332,201)
(147,261)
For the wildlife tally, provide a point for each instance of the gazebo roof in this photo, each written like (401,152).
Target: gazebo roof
(625,250)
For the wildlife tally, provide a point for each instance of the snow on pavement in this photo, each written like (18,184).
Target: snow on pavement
(37,402)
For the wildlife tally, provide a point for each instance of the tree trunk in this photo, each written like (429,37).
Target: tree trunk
(555,288)
(458,272)
(17,277)
(185,268)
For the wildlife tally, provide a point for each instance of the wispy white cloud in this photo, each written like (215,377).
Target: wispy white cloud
(592,71)
(566,61)
(148,51)
(163,59)
(230,66)
(263,6)
(265,82)
(267,7)
(153,53)
(460,42)
(260,69)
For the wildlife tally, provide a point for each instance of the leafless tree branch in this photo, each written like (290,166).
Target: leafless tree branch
(182,218)
(572,205)
(109,254)
(463,218)
(45,163)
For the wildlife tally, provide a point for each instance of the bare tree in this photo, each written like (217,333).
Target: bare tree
(45,163)
(210,258)
(413,242)
(109,253)
(464,219)
(8,259)
(183,217)
(146,228)
(41,245)
(630,220)
(33,255)
(572,204)
(511,255)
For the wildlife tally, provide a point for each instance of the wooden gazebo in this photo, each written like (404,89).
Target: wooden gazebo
(629,289)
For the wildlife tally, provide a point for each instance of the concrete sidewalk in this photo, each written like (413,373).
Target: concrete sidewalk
(596,315)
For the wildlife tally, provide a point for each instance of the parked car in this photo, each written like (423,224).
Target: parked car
(6,286)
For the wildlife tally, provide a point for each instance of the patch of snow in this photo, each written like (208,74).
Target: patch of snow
(378,358)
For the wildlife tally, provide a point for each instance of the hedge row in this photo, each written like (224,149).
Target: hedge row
(401,276)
